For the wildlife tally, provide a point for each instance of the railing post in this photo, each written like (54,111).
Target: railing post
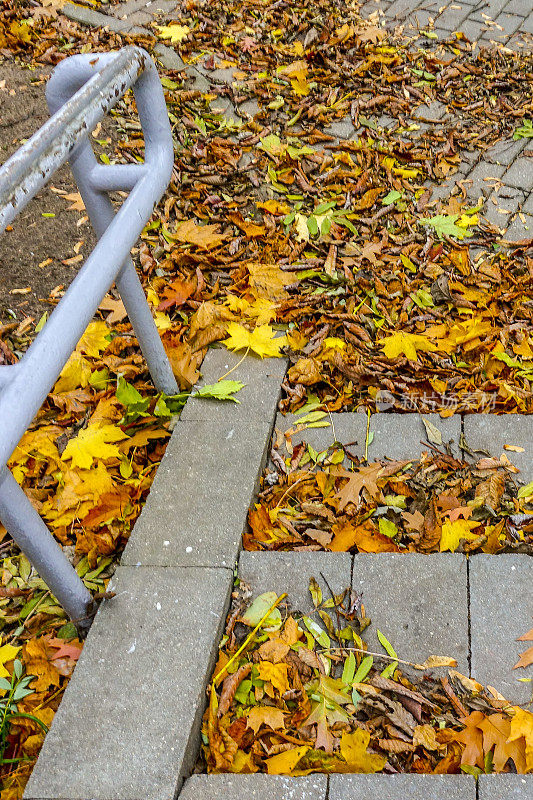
(37,543)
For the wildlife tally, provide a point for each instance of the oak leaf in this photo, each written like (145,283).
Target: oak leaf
(363,478)
(496,731)
(522,727)
(526,659)
(265,715)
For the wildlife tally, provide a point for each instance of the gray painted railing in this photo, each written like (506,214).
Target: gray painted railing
(81,90)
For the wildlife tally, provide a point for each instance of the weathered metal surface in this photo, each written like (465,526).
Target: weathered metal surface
(80,91)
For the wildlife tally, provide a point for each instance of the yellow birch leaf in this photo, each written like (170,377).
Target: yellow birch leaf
(92,443)
(284,763)
(406,343)
(453,532)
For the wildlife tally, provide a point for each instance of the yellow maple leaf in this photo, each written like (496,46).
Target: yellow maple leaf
(75,374)
(204,236)
(406,343)
(300,85)
(284,763)
(522,725)
(261,340)
(94,340)
(176,33)
(354,751)
(275,673)
(453,532)
(93,443)
(7,653)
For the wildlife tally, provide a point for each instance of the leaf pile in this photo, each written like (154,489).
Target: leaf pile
(438,503)
(301,694)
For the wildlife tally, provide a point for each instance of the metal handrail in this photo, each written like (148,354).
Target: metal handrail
(81,90)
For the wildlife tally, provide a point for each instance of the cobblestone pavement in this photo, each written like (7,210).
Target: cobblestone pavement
(502,177)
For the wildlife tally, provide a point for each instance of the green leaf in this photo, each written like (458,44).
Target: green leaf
(161,409)
(363,669)
(349,669)
(387,528)
(525,131)
(5,685)
(526,491)
(316,632)
(391,197)
(444,225)
(253,615)
(67,632)
(312,225)
(241,695)
(388,672)
(128,396)
(387,645)
(223,390)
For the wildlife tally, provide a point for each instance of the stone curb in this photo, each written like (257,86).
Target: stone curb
(402,787)
(505,787)
(95,19)
(254,787)
(198,504)
(128,726)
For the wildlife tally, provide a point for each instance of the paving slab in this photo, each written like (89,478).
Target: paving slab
(402,787)
(254,787)
(128,726)
(290,572)
(198,504)
(520,228)
(395,436)
(400,436)
(490,432)
(94,19)
(257,400)
(505,787)
(520,174)
(501,610)
(419,602)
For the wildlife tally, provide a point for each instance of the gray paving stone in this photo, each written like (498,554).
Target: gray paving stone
(501,609)
(506,151)
(342,129)
(402,787)
(434,110)
(473,29)
(505,787)
(254,787)
(290,572)
(501,205)
(128,726)
(520,174)
(452,17)
(490,432)
(169,58)
(419,602)
(509,23)
(484,177)
(400,436)
(520,228)
(527,25)
(396,436)
(490,9)
(94,19)
(259,397)
(520,7)
(123,10)
(198,504)
(528,205)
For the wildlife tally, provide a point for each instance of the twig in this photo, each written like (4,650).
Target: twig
(248,639)
(235,367)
